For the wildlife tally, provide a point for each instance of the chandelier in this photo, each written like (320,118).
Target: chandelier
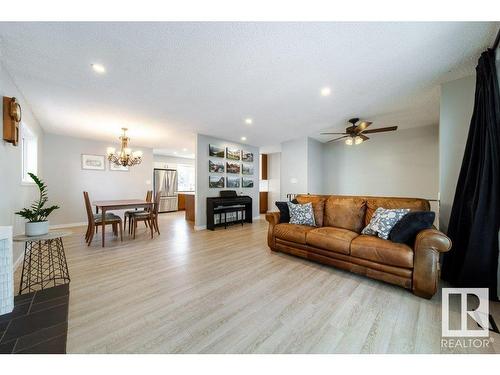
(125,157)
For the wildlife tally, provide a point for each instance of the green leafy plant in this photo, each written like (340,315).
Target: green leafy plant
(37,212)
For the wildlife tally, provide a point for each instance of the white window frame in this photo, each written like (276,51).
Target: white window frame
(29,154)
(180,166)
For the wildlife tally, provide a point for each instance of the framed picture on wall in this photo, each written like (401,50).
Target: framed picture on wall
(232,182)
(215,151)
(216,166)
(93,162)
(216,181)
(247,169)
(232,167)
(120,168)
(233,153)
(246,182)
(246,156)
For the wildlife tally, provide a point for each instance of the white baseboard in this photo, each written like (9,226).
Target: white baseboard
(70,225)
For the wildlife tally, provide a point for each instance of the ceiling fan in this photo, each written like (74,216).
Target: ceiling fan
(355,134)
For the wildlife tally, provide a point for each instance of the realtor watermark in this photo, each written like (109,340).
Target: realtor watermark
(467,327)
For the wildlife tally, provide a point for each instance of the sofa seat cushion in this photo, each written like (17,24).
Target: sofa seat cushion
(333,239)
(292,232)
(382,251)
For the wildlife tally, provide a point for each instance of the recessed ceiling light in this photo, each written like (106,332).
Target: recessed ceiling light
(326,91)
(248,121)
(98,68)
(243,138)
(184,149)
(175,152)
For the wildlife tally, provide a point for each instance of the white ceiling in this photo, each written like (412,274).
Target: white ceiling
(168,81)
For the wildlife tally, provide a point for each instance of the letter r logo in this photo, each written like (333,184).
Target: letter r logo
(480,313)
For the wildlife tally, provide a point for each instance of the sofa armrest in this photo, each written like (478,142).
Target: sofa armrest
(428,245)
(273,218)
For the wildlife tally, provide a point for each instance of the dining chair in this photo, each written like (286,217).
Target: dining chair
(95,221)
(151,217)
(129,214)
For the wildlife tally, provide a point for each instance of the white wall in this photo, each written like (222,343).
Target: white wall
(457,104)
(164,161)
(273,176)
(293,167)
(202,189)
(13,195)
(315,167)
(403,163)
(301,167)
(66,179)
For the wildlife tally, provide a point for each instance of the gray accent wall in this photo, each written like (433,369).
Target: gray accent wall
(202,189)
(67,180)
(403,163)
(457,104)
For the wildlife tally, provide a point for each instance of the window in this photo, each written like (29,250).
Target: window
(29,146)
(185,177)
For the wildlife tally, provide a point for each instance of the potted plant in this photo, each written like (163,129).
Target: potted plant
(36,215)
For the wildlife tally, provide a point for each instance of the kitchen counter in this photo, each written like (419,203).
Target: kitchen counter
(189,206)
(181,196)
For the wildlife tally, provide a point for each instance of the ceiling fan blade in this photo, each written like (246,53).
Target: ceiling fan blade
(336,139)
(333,133)
(363,137)
(380,130)
(362,126)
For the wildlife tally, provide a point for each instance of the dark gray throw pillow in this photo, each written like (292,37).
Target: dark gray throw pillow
(408,227)
(284,210)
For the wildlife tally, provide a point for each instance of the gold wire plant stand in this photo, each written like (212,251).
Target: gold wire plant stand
(44,263)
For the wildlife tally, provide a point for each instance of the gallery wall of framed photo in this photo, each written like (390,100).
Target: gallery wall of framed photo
(224,165)
(230,167)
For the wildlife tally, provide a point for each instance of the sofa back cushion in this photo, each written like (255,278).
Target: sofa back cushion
(318,204)
(414,204)
(345,212)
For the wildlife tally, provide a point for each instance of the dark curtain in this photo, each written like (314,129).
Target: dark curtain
(475,214)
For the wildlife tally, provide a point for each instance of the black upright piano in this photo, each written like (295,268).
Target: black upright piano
(227,199)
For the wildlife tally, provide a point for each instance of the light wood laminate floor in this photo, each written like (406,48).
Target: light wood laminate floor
(226,292)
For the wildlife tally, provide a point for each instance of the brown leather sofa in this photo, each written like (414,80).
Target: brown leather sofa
(337,241)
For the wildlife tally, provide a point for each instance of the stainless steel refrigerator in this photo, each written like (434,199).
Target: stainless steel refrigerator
(165,182)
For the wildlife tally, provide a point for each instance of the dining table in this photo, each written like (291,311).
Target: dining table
(119,204)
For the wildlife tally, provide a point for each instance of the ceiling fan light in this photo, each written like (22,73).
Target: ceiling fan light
(348,141)
(358,140)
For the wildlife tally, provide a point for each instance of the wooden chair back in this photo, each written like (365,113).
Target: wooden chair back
(156,205)
(88,208)
(149,197)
